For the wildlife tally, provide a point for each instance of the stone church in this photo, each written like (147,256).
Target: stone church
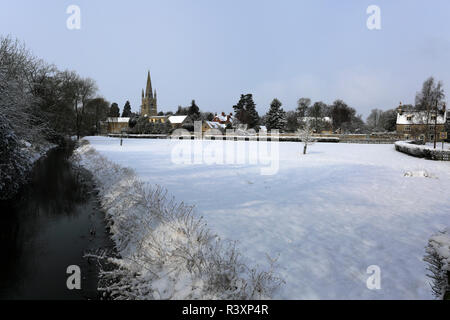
(149,102)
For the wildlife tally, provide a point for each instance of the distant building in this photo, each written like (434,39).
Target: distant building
(219,122)
(208,125)
(416,125)
(179,121)
(114,125)
(158,119)
(149,106)
(263,129)
(223,118)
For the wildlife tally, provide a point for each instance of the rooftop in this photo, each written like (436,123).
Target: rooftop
(419,117)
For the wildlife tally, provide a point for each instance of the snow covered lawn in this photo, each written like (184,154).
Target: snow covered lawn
(327,215)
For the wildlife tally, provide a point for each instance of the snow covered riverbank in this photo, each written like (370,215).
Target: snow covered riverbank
(165,250)
(328,215)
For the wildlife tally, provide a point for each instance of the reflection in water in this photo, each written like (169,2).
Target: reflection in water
(46,228)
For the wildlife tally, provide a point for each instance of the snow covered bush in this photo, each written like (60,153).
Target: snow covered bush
(14,165)
(422,151)
(438,259)
(164,251)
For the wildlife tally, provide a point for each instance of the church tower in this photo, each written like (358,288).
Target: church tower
(149,106)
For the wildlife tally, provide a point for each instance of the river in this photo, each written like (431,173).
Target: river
(47,227)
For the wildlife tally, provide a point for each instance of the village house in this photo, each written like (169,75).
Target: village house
(114,125)
(416,125)
(219,122)
(208,125)
(179,121)
(223,118)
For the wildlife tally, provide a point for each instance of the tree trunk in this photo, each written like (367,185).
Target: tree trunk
(304,149)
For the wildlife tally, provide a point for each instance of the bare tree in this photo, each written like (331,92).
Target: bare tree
(430,99)
(305,134)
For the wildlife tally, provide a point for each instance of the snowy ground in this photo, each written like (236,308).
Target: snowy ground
(328,215)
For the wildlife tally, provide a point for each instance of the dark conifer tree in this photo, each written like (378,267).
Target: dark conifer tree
(126,113)
(114,111)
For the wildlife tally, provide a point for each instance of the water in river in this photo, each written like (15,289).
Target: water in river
(46,228)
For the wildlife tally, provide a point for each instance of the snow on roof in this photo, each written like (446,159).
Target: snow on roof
(262,128)
(215,125)
(418,117)
(115,119)
(222,117)
(177,119)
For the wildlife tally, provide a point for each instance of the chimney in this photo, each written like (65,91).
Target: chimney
(400,109)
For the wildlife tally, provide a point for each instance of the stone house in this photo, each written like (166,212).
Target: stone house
(420,125)
(114,125)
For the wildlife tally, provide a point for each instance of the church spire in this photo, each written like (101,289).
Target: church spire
(148,90)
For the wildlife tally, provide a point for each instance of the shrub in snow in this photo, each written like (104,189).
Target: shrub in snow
(438,259)
(164,250)
(14,164)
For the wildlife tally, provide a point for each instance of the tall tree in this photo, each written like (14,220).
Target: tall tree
(181,111)
(245,111)
(431,100)
(292,121)
(431,95)
(389,120)
(276,117)
(340,114)
(126,113)
(302,106)
(374,119)
(194,111)
(316,112)
(86,90)
(97,110)
(114,110)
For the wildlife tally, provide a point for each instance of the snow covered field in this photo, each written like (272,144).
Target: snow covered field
(327,215)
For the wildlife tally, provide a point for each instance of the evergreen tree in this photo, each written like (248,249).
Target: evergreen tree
(276,117)
(252,114)
(239,110)
(245,111)
(194,111)
(126,113)
(114,111)
(181,111)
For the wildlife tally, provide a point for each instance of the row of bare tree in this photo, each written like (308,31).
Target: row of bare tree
(39,103)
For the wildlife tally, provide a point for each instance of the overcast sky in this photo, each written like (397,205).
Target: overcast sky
(214,50)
